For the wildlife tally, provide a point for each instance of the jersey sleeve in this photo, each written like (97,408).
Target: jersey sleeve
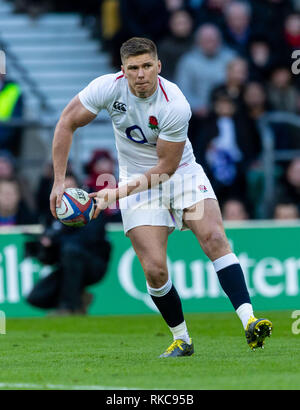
(96,95)
(174,128)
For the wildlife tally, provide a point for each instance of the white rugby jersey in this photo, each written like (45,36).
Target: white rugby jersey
(138,122)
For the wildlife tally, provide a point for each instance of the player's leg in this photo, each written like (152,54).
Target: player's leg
(150,245)
(210,233)
(212,238)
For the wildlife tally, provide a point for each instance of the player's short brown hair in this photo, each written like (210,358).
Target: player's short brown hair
(136,46)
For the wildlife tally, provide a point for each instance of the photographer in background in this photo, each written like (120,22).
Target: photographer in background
(79,256)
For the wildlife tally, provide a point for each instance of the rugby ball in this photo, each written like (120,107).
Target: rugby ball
(76,209)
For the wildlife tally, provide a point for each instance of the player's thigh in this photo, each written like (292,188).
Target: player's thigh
(205,221)
(150,245)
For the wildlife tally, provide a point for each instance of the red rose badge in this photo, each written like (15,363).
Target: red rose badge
(153,123)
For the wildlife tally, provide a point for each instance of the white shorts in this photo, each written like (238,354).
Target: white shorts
(164,204)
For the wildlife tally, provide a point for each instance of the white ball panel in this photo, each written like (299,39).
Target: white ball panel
(65,209)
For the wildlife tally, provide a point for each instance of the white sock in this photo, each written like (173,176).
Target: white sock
(158,292)
(181,332)
(244,312)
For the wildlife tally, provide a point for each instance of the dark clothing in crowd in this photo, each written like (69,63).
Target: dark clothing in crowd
(208,14)
(171,49)
(144,19)
(269,15)
(80,257)
(226,163)
(23,216)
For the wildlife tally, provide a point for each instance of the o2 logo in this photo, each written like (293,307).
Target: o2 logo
(296,64)
(137,136)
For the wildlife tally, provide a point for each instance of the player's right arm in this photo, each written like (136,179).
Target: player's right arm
(75,115)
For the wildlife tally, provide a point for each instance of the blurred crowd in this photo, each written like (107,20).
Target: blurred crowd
(231,58)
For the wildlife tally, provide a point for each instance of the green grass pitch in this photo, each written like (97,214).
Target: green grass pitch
(122,352)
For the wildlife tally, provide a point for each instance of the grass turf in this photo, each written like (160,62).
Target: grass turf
(123,352)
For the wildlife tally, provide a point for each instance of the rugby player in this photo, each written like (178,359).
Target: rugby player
(160,184)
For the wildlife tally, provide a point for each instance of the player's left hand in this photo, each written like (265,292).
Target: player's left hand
(103,199)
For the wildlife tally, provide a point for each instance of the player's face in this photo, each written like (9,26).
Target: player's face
(141,73)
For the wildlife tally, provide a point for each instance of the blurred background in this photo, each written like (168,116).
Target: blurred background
(232,59)
(235,61)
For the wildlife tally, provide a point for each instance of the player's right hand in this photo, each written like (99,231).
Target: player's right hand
(55,197)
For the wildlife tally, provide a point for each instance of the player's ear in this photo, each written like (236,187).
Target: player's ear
(159,66)
(123,71)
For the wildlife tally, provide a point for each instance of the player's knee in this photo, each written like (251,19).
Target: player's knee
(156,274)
(214,242)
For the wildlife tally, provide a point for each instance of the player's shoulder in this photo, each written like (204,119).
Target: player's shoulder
(176,103)
(171,90)
(109,80)
(101,91)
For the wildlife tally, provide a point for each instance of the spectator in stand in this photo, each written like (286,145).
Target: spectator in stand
(292,31)
(7,165)
(11,108)
(255,100)
(282,93)
(234,210)
(203,68)
(285,210)
(289,186)
(257,105)
(236,78)
(101,174)
(269,15)
(260,58)
(174,5)
(13,210)
(212,11)
(8,170)
(178,42)
(227,147)
(237,32)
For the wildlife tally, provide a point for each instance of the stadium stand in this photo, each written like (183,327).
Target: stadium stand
(53,57)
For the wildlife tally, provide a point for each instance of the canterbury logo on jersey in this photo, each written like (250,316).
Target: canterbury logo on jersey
(118,106)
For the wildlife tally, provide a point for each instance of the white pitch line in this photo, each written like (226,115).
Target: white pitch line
(60,387)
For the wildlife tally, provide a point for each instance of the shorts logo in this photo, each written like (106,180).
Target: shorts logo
(202,188)
(153,123)
(119,106)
